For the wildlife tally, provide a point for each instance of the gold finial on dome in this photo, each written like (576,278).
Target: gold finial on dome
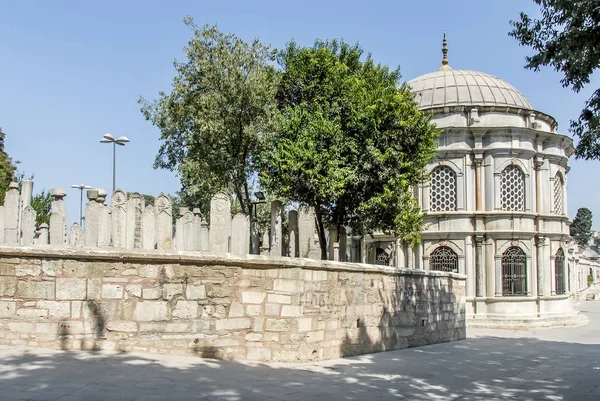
(445,66)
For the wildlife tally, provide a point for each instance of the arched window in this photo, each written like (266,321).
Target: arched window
(559,268)
(442,195)
(512,189)
(514,272)
(443,259)
(558,194)
(382,257)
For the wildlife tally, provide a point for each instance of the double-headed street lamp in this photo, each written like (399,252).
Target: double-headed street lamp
(81,188)
(122,140)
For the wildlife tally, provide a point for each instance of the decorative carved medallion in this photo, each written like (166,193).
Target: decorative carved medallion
(118,197)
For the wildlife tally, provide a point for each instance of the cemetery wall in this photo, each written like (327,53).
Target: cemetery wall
(246,307)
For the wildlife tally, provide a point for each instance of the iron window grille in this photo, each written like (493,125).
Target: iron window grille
(442,195)
(558,193)
(443,259)
(559,268)
(514,272)
(512,189)
(381,257)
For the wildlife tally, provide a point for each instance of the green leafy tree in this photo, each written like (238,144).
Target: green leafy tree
(19,176)
(42,203)
(350,141)
(149,199)
(581,227)
(222,99)
(567,37)
(7,168)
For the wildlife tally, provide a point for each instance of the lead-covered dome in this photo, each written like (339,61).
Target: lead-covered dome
(448,87)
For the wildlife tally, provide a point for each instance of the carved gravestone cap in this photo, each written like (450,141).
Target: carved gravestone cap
(58,193)
(44,226)
(101,196)
(92,194)
(196,211)
(183,210)
(13,185)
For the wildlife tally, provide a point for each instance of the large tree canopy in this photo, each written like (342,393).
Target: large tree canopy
(350,141)
(222,99)
(567,37)
(581,227)
(7,168)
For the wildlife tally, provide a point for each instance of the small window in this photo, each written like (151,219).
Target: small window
(558,194)
(559,269)
(443,259)
(382,257)
(442,196)
(512,189)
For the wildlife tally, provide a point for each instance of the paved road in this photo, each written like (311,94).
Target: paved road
(550,364)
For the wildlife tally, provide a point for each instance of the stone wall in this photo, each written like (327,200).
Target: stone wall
(233,307)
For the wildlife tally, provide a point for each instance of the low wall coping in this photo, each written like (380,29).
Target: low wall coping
(208,258)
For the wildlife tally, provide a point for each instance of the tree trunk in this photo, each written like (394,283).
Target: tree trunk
(248,206)
(321,231)
(244,202)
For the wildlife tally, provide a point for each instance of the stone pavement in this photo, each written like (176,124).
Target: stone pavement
(542,364)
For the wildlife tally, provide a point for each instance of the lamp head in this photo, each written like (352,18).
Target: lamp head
(122,140)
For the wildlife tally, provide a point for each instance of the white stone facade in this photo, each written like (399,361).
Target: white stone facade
(496,202)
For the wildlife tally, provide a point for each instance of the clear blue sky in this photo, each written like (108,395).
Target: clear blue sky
(73,70)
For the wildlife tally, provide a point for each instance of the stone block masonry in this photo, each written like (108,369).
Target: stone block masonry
(244,307)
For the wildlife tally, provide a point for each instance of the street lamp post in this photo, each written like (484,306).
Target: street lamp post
(121,141)
(81,188)
(254,237)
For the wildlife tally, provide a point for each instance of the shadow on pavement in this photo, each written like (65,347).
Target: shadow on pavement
(487,368)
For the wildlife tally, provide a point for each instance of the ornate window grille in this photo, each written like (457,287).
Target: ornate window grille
(558,194)
(443,259)
(381,257)
(514,272)
(559,268)
(512,189)
(442,195)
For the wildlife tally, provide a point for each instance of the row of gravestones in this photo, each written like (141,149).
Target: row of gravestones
(130,224)
(18,218)
(237,235)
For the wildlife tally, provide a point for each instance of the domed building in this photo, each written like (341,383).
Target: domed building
(496,203)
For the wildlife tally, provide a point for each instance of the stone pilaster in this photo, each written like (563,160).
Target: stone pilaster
(498,276)
(540,243)
(479,283)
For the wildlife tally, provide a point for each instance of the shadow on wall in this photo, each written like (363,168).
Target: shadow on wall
(83,334)
(485,368)
(409,317)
